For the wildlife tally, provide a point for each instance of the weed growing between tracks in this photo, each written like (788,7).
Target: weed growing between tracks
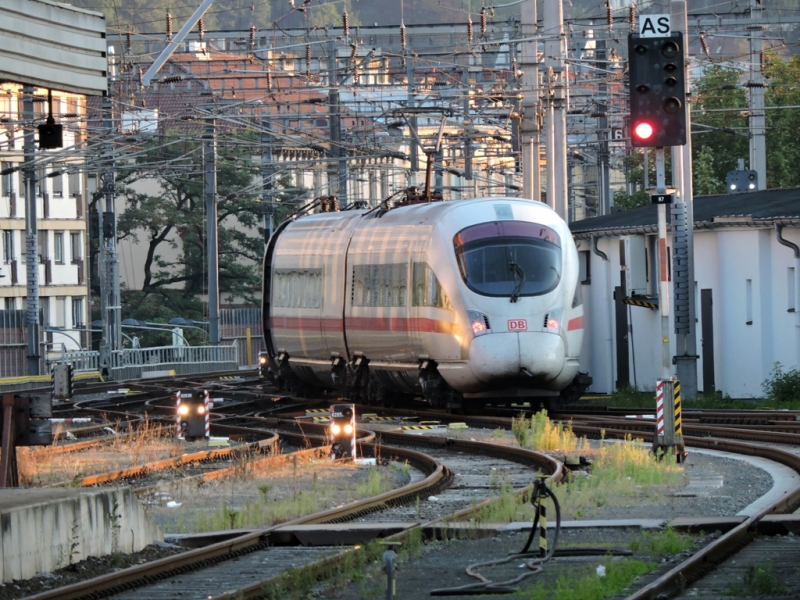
(583,582)
(146,443)
(758,581)
(620,470)
(272,494)
(540,433)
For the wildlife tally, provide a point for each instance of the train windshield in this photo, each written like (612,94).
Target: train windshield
(509,258)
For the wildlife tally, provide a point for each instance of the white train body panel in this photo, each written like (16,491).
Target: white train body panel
(392,288)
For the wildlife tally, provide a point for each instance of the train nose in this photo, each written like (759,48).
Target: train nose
(503,355)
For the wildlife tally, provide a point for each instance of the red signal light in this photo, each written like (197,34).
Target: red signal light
(643,131)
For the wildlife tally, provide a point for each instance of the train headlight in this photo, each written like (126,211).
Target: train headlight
(479,322)
(262,359)
(201,410)
(335,429)
(183,410)
(552,321)
(348,429)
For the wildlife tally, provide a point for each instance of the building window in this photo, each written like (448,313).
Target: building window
(8,247)
(748,294)
(8,180)
(10,303)
(44,301)
(58,247)
(58,186)
(42,246)
(296,288)
(77,313)
(74,183)
(790,283)
(380,285)
(75,245)
(61,312)
(427,290)
(41,185)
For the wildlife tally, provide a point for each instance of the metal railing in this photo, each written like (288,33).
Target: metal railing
(184,360)
(234,324)
(82,361)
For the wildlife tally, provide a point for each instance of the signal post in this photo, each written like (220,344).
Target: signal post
(658,120)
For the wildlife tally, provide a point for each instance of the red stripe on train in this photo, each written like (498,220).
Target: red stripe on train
(401,324)
(576,323)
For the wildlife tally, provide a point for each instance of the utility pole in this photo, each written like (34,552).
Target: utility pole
(110,308)
(212,248)
(335,178)
(604,189)
(267,173)
(467,130)
(557,109)
(414,148)
(31,233)
(683,241)
(531,180)
(758,144)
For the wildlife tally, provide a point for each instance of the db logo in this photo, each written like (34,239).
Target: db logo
(518,325)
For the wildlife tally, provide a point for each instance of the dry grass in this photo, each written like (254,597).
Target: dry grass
(146,443)
(540,433)
(273,492)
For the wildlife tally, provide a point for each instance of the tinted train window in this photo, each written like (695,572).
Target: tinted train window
(380,285)
(508,258)
(297,288)
(427,291)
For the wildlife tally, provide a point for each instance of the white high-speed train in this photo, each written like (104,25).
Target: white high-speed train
(474,299)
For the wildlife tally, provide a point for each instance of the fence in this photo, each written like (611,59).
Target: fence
(233,326)
(13,344)
(184,360)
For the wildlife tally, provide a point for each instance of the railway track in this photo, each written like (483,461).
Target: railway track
(256,544)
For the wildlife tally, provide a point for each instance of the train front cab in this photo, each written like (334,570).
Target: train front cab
(343,431)
(192,415)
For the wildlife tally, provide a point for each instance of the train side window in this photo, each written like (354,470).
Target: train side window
(380,285)
(585,266)
(426,290)
(294,288)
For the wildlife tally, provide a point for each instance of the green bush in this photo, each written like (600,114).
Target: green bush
(782,387)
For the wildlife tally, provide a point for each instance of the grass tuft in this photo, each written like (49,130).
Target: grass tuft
(540,433)
(583,583)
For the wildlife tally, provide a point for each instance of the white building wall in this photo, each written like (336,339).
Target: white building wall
(750,336)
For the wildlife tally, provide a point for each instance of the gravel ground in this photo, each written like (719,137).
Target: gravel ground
(86,569)
(442,564)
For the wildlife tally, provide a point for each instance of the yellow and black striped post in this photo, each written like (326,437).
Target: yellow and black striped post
(542,528)
(677,392)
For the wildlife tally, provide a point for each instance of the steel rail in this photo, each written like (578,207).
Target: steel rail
(326,566)
(193,559)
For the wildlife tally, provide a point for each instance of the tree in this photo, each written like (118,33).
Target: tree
(719,135)
(175,220)
(783,125)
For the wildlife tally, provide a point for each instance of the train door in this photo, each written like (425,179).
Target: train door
(707,340)
(621,313)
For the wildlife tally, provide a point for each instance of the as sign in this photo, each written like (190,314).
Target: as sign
(654,25)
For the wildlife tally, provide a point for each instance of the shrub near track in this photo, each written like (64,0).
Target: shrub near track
(624,469)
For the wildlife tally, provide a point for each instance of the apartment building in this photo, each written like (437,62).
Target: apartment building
(61,245)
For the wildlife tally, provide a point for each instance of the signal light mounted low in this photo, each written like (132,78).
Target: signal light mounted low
(657,90)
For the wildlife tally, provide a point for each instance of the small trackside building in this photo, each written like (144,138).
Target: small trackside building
(746,283)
